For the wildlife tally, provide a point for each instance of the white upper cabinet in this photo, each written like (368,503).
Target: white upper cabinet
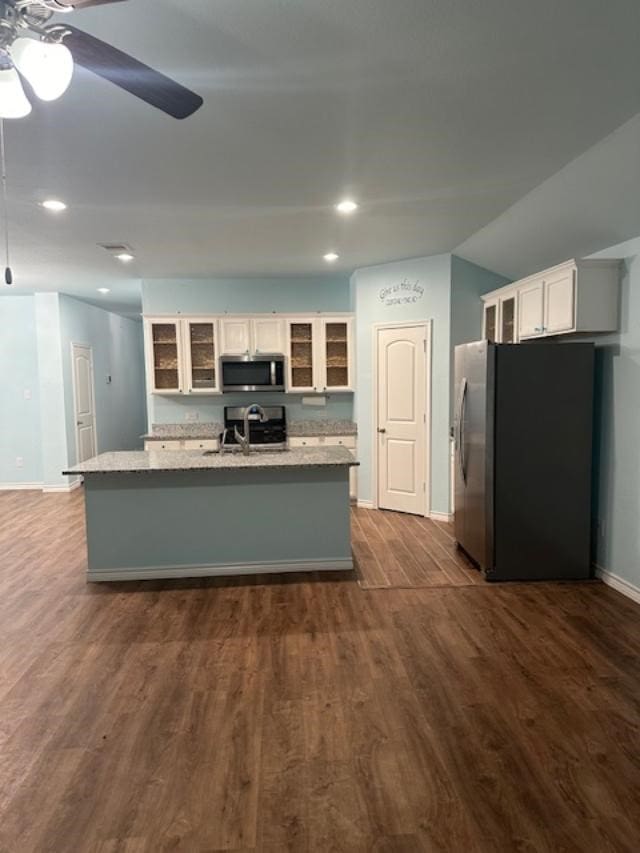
(531,319)
(577,296)
(268,335)
(252,335)
(559,302)
(201,356)
(164,356)
(235,336)
(320,354)
(490,331)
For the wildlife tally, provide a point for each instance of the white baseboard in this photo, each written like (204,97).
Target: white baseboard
(20,487)
(167,572)
(618,583)
(366,504)
(68,488)
(441,516)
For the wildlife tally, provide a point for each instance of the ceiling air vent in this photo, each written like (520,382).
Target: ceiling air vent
(116,248)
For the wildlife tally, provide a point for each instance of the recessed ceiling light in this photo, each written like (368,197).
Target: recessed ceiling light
(125,257)
(346,206)
(330,257)
(54,205)
(103,290)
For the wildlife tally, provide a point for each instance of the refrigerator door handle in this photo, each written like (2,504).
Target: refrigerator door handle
(461,414)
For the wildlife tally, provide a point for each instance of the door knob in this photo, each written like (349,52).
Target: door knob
(381,429)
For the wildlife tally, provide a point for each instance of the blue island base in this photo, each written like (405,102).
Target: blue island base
(184,524)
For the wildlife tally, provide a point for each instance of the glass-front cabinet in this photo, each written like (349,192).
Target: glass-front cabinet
(320,354)
(164,342)
(508,320)
(201,338)
(302,361)
(491,322)
(336,341)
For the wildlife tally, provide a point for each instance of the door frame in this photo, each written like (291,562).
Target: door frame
(93,397)
(427,325)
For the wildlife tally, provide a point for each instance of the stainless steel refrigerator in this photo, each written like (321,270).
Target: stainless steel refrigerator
(523,432)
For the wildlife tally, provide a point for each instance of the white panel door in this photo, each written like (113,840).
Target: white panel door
(402,395)
(530,310)
(268,335)
(559,302)
(83,398)
(235,336)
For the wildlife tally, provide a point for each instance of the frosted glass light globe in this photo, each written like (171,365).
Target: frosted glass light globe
(48,67)
(13,101)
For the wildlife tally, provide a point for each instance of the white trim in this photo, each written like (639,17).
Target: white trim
(68,488)
(428,329)
(620,584)
(232,314)
(220,570)
(20,487)
(441,516)
(365,504)
(93,397)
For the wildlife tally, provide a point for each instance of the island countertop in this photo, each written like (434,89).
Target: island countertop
(140,461)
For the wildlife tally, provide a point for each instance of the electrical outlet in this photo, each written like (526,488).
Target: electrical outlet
(191,416)
(19,462)
(27,393)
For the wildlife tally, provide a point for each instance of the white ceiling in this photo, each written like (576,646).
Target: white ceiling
(436,115)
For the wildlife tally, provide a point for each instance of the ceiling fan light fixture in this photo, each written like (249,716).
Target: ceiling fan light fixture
(48,66)
(13,101)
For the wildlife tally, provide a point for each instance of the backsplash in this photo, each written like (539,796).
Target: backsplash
(174,409)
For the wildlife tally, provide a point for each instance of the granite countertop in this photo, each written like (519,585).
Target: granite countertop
(321,427)
(140,461)
(178,432)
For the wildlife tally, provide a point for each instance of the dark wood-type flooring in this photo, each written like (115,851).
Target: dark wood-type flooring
(395,550)
(305,713)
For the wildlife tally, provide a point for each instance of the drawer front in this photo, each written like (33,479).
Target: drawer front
(155,444)
(201,444)
(348,441)
(307,441)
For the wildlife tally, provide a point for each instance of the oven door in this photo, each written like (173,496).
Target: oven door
(244,373)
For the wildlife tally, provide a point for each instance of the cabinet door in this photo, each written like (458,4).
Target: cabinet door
(301,351)
(336,355)
(164,356)
(508,320)
(530,310)
(491,321)
(268,335)
(235,336)
(201,350)
(559,302)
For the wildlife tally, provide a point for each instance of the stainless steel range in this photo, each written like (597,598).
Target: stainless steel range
(267,428)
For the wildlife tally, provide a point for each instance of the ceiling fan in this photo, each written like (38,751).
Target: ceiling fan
(44,55)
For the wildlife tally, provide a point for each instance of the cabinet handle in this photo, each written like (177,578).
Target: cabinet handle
(381,429)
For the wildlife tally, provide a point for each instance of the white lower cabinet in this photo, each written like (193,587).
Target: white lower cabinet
(183,444)
(348,441)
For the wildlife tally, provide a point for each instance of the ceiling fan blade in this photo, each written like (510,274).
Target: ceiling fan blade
(79,4)
(132,75)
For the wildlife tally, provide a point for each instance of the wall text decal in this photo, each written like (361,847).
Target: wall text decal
(405,293)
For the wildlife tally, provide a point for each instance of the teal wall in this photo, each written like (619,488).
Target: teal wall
(246,296)
(36,332)
(117,347)
(433,274)
(617,493)
(19,418)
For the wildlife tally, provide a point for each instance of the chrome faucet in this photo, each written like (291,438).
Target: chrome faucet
(245,440)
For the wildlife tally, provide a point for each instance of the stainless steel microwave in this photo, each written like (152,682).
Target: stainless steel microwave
(253,372)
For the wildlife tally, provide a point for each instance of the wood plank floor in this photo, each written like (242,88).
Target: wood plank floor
(306,714)
(393,550)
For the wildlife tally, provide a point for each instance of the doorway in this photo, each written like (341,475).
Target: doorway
(83,401)
(402,417)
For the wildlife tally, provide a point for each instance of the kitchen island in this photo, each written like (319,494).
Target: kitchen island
(181,514)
